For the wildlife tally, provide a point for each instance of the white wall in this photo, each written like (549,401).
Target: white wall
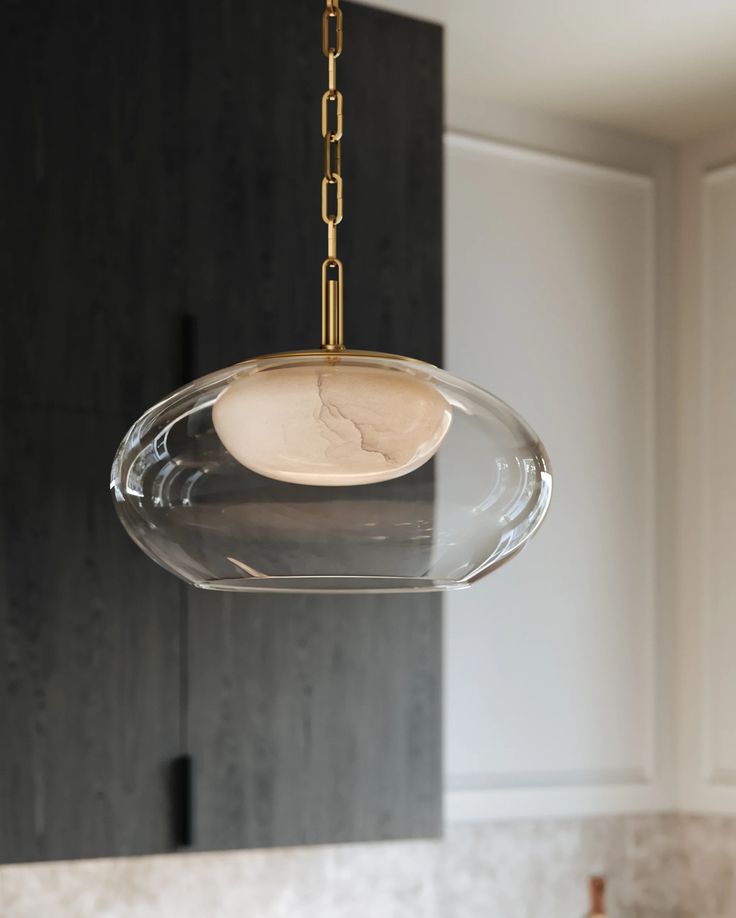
(558,694)
(706,489)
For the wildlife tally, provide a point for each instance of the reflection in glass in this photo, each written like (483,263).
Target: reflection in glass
(470,488)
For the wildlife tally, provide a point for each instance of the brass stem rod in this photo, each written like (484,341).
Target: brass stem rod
(332,306)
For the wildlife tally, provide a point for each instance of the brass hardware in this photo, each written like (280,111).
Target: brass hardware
(335,96)
(332,303)
(332,214)
(346,352)
(332,203)
(331,240)
(332,71)
(332,11)
(332,169)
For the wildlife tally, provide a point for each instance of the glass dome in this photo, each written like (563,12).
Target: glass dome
(331,472)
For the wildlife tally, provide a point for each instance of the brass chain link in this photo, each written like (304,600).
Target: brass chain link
(332,200)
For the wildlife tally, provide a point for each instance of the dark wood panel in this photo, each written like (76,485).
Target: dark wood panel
(159,217)
(392,232)
(255,235)
(89,652)
(314,721)
(174,170)
(92,201)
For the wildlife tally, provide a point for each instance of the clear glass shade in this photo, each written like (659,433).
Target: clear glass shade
(331,473)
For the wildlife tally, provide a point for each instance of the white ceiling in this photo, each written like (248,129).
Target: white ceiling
(666,68)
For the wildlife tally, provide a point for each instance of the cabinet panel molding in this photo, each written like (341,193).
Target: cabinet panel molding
(718,505)
(553,693)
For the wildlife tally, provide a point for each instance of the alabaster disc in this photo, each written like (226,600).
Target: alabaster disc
(333,425)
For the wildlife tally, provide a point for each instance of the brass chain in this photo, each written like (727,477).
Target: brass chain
(332,202)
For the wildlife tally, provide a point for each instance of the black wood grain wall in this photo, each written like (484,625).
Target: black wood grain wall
(159,217)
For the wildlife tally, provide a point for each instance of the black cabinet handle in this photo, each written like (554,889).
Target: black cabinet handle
(183,801)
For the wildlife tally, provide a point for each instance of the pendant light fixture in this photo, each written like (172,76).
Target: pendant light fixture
(310,471)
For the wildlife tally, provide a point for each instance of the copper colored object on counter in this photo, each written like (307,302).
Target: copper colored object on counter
(597,897)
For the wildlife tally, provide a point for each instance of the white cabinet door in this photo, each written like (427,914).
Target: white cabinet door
(707,497)
(550,662)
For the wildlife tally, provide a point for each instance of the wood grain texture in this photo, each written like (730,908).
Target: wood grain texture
(89,652)
(92,201)
(159,218)
(255,237)
(166,160)
(312,719)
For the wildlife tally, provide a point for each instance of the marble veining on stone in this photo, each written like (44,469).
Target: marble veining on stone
(345,425)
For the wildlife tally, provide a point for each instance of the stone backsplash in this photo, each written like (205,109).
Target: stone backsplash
(658,866)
